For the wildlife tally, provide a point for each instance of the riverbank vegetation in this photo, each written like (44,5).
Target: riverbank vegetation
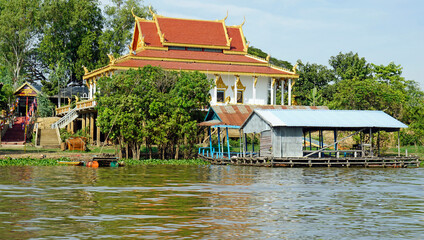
(152,107)
(59,37)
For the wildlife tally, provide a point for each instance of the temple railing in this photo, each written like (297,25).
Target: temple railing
(90,103)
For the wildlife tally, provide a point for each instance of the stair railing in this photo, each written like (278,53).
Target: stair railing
(65,120)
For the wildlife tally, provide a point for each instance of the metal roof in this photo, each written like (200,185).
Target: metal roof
(236,114)
(329,119)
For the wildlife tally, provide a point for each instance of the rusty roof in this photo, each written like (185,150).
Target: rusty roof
(236,114)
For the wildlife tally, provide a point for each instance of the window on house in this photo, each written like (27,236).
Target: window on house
(239,96)
(212,50)
(220,96)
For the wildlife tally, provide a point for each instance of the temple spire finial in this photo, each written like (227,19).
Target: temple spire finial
(295,67)
(151,11)
(244,21)
(135,16)
(225,17)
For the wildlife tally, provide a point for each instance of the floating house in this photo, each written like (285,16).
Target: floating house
(283,133)
(225,121)
(208,46)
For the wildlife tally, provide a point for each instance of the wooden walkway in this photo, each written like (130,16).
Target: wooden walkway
(382,162)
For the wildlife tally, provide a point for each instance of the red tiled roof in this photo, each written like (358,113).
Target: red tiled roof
(150,34)
(235,115)
(184,31)
(193,66)
(197,55)
(237,41)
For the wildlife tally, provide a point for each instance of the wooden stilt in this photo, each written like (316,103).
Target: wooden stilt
(219,143)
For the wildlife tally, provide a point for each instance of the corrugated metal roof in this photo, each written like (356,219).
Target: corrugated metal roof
(236,114)
(330,119)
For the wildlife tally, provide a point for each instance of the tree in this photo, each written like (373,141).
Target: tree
(277,62)
(45,108)
(119,25)
(18,25)
(350,66)
(70,33)
(314,80)
(153,106)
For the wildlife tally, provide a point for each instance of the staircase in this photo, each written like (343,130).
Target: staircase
(65,120)
(15,135)
(48,138)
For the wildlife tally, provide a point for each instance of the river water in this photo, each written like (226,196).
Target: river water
(211,202)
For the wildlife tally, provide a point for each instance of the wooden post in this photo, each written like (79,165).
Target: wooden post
(91,128)
(336,147)
(371,150)
(253,144)
(378,142)
(245,145)
(399,143)
(310,141)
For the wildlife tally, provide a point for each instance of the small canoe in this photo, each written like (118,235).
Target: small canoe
(70,163)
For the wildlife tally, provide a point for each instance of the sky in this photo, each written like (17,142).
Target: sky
(381,31)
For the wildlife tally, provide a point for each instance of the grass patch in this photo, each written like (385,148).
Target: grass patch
(134,162)
(29,162)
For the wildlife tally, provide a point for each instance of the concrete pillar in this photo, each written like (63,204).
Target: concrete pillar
(235,89)
(290,92)
(283,84)
(91,128)
(83,121)
(97,133)
(215,90)
(72,127)
(273,91)
(255,80)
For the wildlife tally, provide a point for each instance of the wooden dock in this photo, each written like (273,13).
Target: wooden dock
(367,162)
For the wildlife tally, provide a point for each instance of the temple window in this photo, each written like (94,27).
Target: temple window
(240,96)
(220,96)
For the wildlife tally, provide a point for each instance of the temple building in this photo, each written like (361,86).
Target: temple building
(210,47)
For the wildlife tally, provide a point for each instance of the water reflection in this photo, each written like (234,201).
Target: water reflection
(211,202)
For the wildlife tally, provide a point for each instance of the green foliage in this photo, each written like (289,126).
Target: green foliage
(6,92)
(64,134)
(313,84)
(119,25)
(18,27)
(277,62)
(28,162)
(153,106)
(70,34)
(45,107)
(350,66)
(134,162)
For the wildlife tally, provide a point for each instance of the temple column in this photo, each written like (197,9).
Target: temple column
(72,127)
(235,89)
(98,133)
(215,90)
(91,128)
(83,121)
(255,80)
(273,91)
(90,90)
(283,84)
(290,92)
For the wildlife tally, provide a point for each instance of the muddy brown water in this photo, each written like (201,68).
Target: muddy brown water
(210,202)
